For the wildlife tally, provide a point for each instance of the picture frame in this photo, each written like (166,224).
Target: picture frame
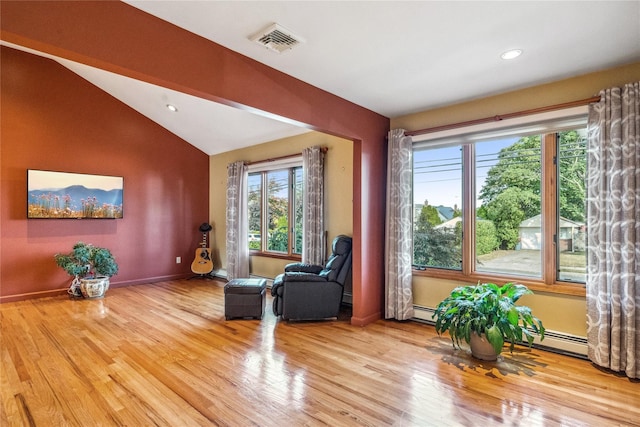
(68,195)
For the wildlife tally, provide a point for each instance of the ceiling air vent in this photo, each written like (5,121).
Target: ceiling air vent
(276,38)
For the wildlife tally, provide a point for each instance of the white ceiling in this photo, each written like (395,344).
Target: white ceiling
(392,57)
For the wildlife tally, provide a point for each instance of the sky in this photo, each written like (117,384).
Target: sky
(48,180)
(438,172)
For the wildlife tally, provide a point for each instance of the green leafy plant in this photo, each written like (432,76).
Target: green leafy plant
(491,310)
(86,260)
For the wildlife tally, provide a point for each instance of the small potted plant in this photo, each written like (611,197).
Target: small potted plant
(91,267)
(487,314)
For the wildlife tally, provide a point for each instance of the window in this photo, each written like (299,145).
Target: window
(572,171)
(437,226)
(275,211)
(254,208)
(509,205)
(508,234)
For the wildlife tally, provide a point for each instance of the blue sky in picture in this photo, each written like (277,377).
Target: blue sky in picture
(49,180)
(438,171)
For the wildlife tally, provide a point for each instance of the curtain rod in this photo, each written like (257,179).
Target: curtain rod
(498,118)
(288,156)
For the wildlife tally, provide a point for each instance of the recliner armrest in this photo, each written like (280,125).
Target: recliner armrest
(303,268)
(296,276)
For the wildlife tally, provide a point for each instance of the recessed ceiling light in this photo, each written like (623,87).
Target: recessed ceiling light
(511,54)
(172,108)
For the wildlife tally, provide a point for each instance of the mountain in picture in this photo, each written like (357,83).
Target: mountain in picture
(75,201)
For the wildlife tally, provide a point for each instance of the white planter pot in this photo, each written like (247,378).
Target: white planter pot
(481,348)
(74,290)
(94,288)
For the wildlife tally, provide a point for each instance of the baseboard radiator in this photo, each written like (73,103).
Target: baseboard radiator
(222,274)
(559,342)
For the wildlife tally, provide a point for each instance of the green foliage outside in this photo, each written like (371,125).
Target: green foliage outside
(573,174)
(429,215)
(512,191)
(508,210)
(278,235)
(435,247)
(486,237)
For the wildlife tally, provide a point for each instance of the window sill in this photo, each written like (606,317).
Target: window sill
(573,289)
(276,255)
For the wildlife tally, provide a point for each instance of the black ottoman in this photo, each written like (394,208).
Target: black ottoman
(244,298)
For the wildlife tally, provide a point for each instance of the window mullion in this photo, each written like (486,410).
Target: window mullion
(264,207)
(549,209)
(468,209)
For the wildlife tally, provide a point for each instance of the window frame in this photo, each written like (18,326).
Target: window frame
(549,125)
(290,165)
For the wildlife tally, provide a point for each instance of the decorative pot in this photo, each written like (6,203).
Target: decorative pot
(481,348)
(74,290)
(94,288)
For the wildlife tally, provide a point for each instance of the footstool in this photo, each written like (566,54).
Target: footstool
(244,298)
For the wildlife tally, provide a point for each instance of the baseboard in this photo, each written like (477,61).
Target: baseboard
(119,284)
(363,321)
(112,284)
(220,273)
(423,314)
(563,343)
(553,340)
(33,295)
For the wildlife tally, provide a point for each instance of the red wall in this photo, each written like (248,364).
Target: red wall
(116,37)
(52,119)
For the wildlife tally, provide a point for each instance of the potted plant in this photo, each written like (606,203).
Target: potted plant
(91,267)
(487,313)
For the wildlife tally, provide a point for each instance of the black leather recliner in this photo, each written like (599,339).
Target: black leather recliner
(313,292)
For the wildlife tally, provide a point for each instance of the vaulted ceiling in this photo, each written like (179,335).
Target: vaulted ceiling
(392,57)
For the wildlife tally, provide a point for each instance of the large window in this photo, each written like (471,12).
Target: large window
(275,211)
(507,207)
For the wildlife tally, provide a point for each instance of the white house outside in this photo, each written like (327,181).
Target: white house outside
(571,236)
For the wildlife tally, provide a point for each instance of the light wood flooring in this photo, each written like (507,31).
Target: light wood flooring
(163,355)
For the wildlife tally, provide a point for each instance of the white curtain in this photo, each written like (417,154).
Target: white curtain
(237,221)
(613,212)
(399,224)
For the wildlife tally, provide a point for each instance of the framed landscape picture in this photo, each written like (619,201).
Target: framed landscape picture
(73,195)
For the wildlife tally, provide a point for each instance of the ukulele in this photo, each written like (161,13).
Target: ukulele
(202,263)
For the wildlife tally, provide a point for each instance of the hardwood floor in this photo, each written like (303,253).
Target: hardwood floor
(163,355)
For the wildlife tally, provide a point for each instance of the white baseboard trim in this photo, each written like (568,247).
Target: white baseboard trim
(553,340)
